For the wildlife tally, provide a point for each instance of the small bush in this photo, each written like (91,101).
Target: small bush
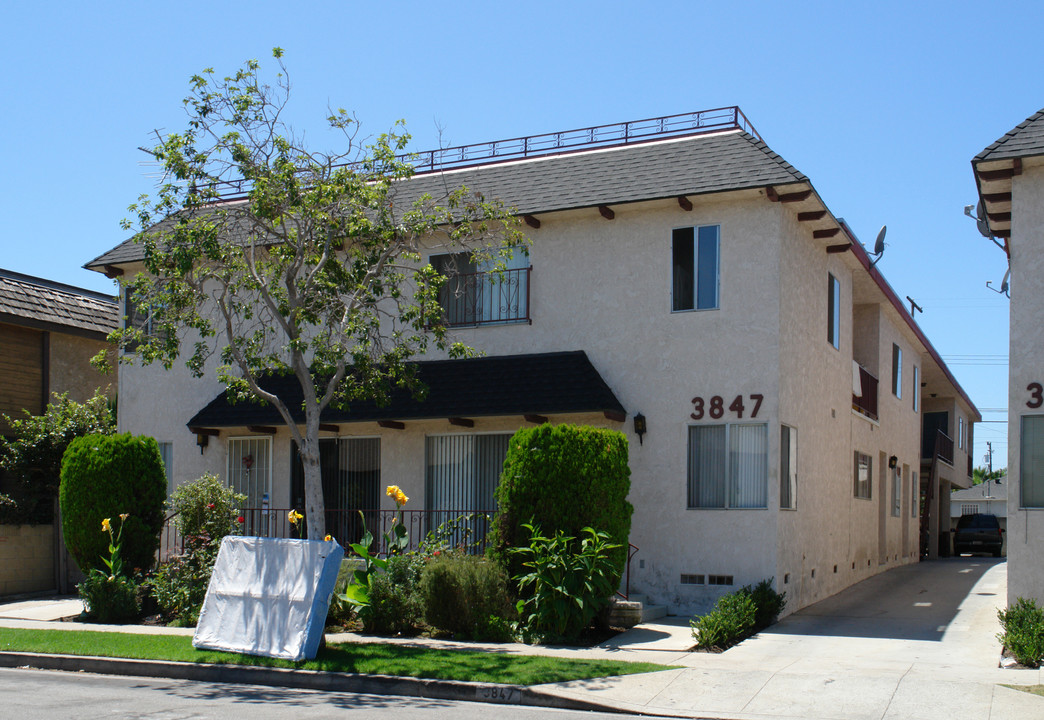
(467,596)
(396,607)
(563,478)
(565,584)
(104,476)
(205,511)
(1023,631)
(110,598)
(738,615)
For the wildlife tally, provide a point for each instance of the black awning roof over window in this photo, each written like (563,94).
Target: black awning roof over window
(537,384)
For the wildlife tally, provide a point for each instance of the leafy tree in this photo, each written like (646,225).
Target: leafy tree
(32,456)
(314,270)
(983,474)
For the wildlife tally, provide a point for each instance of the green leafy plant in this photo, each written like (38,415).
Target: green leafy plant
(738,615)
(110,597)
(467,596)
(563,478)
(357,593)
(565,582)
(1023,631)
(31,454)
(396,606)
(104,476)
(205,511)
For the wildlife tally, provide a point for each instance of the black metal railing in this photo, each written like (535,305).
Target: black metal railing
(530,146)
(485,298)
(866,401)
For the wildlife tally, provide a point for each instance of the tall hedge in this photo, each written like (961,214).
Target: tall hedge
(563,477)
(104,476)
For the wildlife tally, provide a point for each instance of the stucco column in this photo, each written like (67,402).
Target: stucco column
(945,544)
(933,522)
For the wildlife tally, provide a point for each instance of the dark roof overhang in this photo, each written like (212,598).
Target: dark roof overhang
(533,385)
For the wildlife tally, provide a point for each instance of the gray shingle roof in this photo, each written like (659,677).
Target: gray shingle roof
(42,302)
(1024,140)
(696,165)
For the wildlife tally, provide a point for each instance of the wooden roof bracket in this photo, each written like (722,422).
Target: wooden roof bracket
(535,419)
(685,203)
(391,424)
(531,221)
(462,422)
(606,212)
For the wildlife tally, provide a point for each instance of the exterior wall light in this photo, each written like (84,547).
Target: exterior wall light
(639,427)
(893,462)
(202,439)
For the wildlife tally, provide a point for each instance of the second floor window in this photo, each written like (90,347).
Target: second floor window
(833,311)
(694,268)
(897,371)
(475,294)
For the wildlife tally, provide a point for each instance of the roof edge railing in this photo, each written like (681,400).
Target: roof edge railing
(533,146)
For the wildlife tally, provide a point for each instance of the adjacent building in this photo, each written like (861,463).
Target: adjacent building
(1010,179)
(686,285)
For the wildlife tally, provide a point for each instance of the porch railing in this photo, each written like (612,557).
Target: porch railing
(463,529)
(866,401)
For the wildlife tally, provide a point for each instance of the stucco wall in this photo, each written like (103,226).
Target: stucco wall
(1025,525)
(26,559)
(71,370)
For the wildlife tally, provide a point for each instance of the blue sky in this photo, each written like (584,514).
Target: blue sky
(881,104)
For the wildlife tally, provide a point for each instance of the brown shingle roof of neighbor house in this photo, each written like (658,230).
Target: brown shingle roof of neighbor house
(1024,140)
(537,384)
(36,302)
(651,170)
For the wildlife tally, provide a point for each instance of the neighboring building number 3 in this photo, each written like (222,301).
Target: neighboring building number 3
(714,407)
(1036,392)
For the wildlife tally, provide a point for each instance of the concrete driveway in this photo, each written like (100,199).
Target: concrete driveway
(915,642)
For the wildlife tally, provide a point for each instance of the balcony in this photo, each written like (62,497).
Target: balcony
(486,298)
(865,403)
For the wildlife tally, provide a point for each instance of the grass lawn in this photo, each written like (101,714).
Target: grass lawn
(367,658)
(1031,689)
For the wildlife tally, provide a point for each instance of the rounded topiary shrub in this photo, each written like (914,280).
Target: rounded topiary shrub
(563,478)
(104,476)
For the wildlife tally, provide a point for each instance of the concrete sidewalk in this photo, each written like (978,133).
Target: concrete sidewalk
(915,642)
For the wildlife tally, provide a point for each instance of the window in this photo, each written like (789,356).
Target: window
(916,389)
(787,467)
(897,491)
(695,264)
(167,455)
(833,311)
(137,317)
(474,294)
(960,433)
(863,468)
(728,466)
(897,371)
(915,494)
(350,468)
(461,476)
(1031,461)
(250,473)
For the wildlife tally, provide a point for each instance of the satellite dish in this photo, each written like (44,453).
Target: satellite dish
(1004,282)
(981,221)
(879,244)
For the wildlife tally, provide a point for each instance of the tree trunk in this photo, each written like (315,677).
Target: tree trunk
(314,510)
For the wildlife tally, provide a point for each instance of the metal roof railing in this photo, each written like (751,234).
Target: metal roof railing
(531,146)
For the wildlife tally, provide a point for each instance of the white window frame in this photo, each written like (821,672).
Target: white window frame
(960,432)
(1031,461)
(697,285)
(897,371)
(863,487)
(234,474)
(916,389)
(728,465)
(833,311)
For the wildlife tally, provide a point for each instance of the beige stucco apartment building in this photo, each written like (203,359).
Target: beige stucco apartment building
(678,270)
(1010,177)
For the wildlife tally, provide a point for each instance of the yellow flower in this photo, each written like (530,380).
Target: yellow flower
(328,538)
(401,499)
(123,516)
(105,525)
(392,491)
(294,517)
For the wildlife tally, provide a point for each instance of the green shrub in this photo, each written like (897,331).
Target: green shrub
(104,476)
(1023,631)
(396,606)
(563,478)
(31,457)
(467,596)
(109,598)
(565,582)
(205,511)
(738,615)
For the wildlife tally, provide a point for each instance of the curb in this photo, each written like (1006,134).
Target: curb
(458,690)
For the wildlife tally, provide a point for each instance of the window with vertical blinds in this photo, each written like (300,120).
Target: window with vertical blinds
(461,475)
(728,466)
(250,473)
(1031,461)
(787,467)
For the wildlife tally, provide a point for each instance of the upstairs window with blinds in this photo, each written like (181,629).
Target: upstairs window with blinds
(728,466)
(695,263)
(461,475)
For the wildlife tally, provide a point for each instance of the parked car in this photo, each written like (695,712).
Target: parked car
(978,533)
